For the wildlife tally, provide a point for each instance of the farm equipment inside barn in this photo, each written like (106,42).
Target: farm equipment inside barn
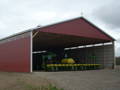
(61,61)
(72,46)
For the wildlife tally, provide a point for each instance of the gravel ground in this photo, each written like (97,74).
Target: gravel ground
(21,81)
(78,80)
(85,80)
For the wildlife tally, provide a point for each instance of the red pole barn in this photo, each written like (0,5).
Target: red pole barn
(78,37)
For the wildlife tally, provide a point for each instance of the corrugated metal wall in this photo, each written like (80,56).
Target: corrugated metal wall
(104,55)
(15,53)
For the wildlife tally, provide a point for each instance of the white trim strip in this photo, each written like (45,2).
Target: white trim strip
(31,46)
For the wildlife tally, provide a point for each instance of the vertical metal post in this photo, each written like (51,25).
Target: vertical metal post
(93,55)
(114,61)
(85,58)
(103,66)
(31,55)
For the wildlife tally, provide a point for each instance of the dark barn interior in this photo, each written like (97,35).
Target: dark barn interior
(82,50)
(75,44)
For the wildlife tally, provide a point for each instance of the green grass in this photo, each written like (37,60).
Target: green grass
(50,87)
(27,86)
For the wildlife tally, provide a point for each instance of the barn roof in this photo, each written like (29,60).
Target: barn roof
(79,27)
(74,32)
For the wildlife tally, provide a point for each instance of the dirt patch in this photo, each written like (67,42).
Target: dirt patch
(85,80)
(21,81)
(73,80)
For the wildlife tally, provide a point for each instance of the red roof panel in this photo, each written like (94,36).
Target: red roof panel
(77,27)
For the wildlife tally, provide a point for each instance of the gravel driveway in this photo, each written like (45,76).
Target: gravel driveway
(84,80)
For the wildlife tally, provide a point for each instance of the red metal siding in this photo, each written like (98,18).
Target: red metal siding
(15,55)
(77,27)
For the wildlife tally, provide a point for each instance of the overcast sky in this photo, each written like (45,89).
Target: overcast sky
(20,15)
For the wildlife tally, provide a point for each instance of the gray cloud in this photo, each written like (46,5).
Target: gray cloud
(19,15)
(109,14)
(118,40)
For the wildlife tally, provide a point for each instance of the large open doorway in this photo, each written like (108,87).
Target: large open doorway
(55,52)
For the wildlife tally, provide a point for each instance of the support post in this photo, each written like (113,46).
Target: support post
(103,56)
(31,47)
(93,55)
(114,61)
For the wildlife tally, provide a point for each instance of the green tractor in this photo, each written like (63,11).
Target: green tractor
(47,59)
